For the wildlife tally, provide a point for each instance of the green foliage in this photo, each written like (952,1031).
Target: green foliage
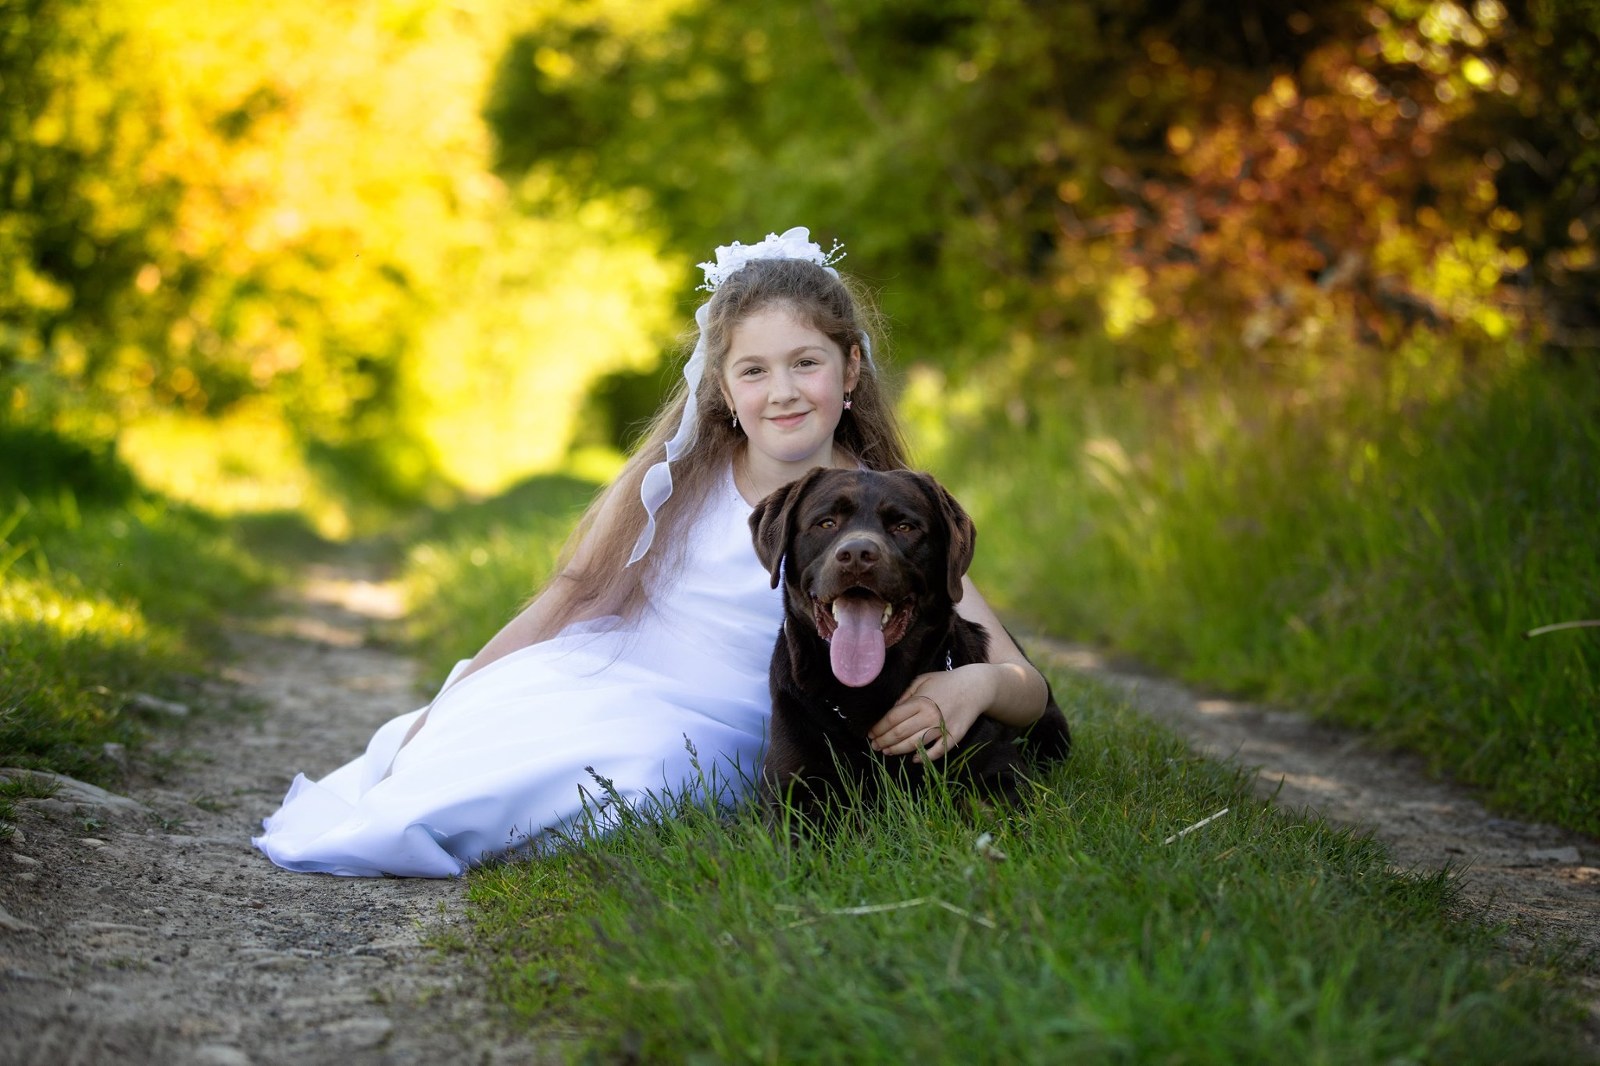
(1372,547)
(39,460)
(122,289)
(102,600)
(1548,178)
(71,663)
(79,214)
(1178,174)
(1067,930)
(202,210)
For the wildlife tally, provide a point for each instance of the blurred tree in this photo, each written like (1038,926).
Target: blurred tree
(1415,172)
(1209,174)
(80,217)
(208,204)
(1542,141)
(205,204)
(152,258)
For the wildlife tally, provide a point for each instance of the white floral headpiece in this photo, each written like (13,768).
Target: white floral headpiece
(794,243)
(791,244)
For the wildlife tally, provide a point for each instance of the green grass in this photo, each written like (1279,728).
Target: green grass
(107,593)
(1073,933)
(1371,548)
(1262,540)
(21,786)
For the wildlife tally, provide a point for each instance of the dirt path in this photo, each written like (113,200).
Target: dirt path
(151,931)
(146,929)
(1541,883)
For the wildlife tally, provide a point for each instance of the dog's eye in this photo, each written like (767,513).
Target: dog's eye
(902,527)
(826,523)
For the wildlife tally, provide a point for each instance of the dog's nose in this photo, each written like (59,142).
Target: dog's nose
(858,551)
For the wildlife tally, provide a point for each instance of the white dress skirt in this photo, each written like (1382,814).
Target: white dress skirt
(506,752)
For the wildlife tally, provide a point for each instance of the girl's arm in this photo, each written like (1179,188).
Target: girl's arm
(939,708)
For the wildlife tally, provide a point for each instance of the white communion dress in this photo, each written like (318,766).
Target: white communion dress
(504,753)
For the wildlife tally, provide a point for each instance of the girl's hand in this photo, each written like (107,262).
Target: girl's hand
(935,712)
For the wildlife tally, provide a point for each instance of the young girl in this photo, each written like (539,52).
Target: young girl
(656,632)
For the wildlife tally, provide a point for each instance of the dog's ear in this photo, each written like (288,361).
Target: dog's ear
(961,534)
(770,523)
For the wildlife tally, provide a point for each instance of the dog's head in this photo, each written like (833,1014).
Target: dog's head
(863,555)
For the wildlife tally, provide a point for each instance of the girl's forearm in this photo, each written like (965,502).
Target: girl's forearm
(1019,693)
(1017,690)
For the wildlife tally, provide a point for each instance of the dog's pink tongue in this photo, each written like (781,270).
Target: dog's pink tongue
(856,650)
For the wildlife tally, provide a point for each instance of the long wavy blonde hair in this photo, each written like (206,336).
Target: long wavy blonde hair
(592,579)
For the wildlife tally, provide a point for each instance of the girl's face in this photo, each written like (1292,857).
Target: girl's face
(786,381)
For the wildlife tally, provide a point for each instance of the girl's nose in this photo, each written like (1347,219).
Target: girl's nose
(782,388)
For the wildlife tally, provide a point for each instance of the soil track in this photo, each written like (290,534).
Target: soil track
(152,932)
(146,929)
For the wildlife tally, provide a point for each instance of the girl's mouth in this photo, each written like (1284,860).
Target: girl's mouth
(788,421)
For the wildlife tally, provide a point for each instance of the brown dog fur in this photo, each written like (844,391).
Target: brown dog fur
(886,538)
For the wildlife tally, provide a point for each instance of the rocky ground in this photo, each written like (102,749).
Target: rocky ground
(143,928)
(146,929)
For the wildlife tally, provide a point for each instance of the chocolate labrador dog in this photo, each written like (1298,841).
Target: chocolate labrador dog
(871,565)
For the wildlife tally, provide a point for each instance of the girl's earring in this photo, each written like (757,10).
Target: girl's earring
(847,401)
(736,421)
